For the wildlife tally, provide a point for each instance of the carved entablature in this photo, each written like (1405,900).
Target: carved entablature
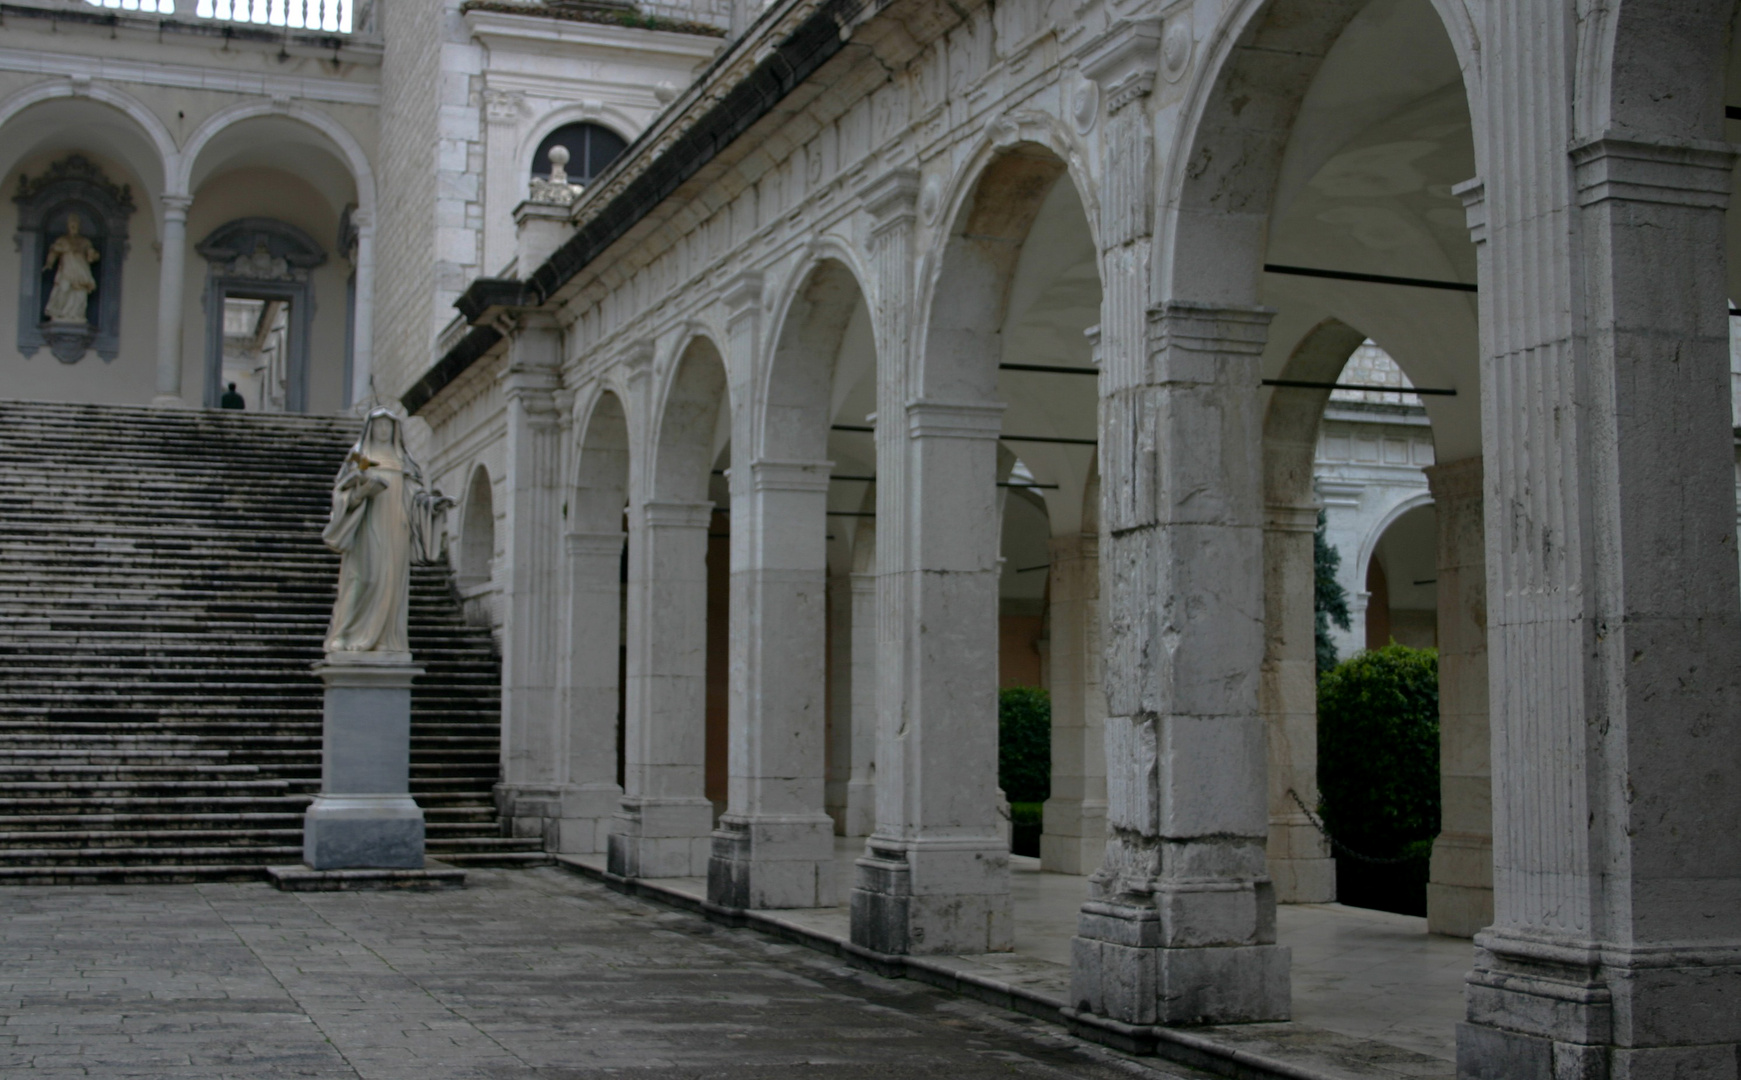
(72,241)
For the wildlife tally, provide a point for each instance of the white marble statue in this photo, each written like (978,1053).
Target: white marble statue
(71,256)
(383,517)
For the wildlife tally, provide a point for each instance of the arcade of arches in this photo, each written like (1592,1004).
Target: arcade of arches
(913,346)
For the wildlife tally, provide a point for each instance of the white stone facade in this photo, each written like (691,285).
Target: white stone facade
(884,243)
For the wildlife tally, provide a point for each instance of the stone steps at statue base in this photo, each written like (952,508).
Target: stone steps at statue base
(163,595)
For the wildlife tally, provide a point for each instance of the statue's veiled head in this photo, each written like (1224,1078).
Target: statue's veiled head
(383,440)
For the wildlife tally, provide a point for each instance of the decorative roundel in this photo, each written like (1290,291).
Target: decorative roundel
(1085,106)
(1175,50)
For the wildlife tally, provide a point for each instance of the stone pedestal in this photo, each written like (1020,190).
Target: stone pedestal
(364,816)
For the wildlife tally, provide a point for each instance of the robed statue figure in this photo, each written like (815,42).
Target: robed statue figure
(71,257)
(383,517)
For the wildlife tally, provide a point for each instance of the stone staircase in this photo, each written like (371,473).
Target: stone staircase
(163,591)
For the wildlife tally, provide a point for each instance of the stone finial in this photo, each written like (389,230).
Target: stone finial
(556,189)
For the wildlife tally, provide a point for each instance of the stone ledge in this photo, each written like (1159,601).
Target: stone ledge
(1039,988)
(299,878)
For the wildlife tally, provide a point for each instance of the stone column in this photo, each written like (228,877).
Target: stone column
(1180,923)
(664,826)
(1614,631)
(589,793)
(364,816)
(363,325)
(171,289)
(1460,887)
(774,847)
(935,875)
(1299,858)
(861,784)
(1073,840)
(528,797)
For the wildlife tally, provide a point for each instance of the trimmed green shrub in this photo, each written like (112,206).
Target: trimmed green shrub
(1378,750)
(1024,743)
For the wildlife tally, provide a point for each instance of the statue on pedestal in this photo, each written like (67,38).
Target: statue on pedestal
(383,517)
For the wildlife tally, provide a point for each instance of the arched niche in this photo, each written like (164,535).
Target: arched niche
(73,190)
(259,258)
(477,534)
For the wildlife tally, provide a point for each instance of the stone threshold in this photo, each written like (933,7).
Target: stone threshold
(1040,988)
(299,878)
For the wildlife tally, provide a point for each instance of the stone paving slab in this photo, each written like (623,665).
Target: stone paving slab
(531,973)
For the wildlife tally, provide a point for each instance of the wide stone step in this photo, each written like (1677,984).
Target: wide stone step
(154,838)
(222,855)
(130,875)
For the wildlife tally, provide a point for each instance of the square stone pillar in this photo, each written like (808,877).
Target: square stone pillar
(529,798)
(1298,856)
(1179,927)
(588,794)
(1073,840)
(665,823)
(1460,883)
(935,875)
(1614,630)
(851,788)
(774,847)
(364,816)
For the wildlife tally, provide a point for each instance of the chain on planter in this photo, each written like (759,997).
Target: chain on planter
(1344,848)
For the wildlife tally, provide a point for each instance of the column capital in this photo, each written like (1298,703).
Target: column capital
(1190,342)
(790,475)
(175,207)
(674,514)
(892,198)
(1636,168)
(953,420)
(1123,61)
(742,295)
(1474,195)
(1290,517)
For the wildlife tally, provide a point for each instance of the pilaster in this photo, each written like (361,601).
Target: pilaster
(171,292)
(527,797)
(1299,858)
(1073,839)
(1460,884)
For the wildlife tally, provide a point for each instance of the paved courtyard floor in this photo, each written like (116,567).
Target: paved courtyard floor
(527,973)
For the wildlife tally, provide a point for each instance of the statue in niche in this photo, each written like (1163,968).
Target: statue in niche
(70,257)
(383,517)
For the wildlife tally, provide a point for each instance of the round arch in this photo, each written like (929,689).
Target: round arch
(349,150)
(608,117)
(148,124)
(696,398)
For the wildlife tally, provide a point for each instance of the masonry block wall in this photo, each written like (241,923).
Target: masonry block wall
(405,298)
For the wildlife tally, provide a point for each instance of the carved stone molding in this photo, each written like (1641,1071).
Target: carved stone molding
(1123,61)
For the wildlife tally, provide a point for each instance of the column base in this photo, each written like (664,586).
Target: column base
(772,862)
(1073,837)
(660,838)
(919,897)
(573,819)
(1556,1011)
(1460,885)
(347,832)
(1119,969)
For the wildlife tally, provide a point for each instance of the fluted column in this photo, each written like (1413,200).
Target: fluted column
(665,822)
(1614,635)
(1073,839)
(171,293)
(1460,885)
(527,796)
(1299,857)
(589,793)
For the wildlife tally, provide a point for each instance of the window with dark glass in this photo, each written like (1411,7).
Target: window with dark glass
(590,148)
